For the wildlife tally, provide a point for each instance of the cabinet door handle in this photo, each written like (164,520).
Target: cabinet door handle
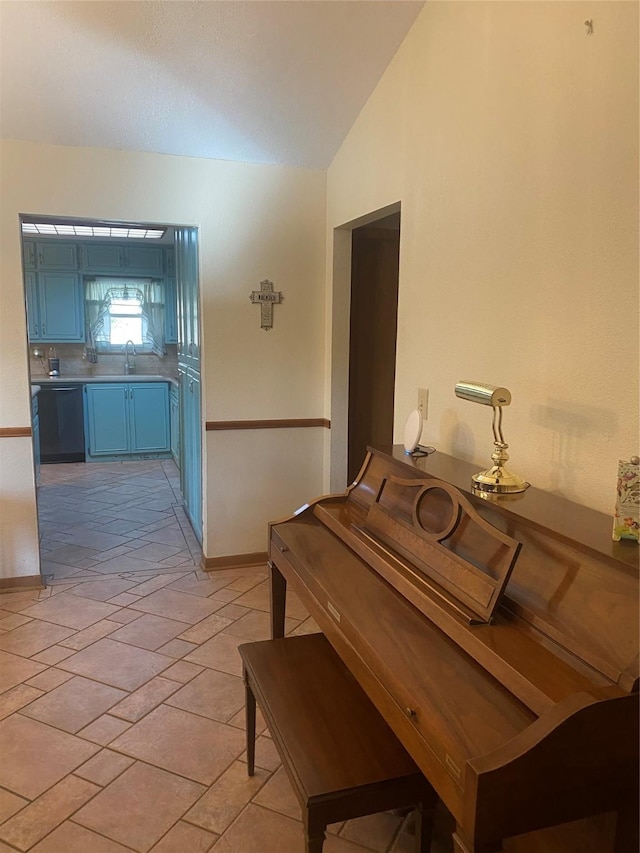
(40,258)
(44,331)
(191,386)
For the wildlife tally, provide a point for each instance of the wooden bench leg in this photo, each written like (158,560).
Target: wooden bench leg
(250,717)
(424,817)
(314,834)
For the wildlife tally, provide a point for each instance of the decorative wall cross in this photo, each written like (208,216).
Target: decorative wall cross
(265,298)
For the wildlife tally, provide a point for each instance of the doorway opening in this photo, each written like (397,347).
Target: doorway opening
(375,254)
(129,455)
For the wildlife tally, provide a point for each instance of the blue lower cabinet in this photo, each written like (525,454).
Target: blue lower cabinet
(174,417)
(127,420)
(35,431)
(149,417)
(107,419)
(191,446)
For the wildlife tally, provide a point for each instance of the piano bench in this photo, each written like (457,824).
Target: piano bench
(341,757)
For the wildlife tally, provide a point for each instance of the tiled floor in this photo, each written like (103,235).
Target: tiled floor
(121,699)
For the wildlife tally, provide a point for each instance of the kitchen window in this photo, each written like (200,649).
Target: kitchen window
(121,310)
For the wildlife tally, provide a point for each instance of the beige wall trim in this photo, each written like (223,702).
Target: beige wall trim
(22,583)
(15,432)
(280,423)
(235,561)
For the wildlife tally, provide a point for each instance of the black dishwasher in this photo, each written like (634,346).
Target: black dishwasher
(61,423)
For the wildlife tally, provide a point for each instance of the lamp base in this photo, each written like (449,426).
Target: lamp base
(498,481)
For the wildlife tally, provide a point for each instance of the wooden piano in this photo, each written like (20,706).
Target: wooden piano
(498,638)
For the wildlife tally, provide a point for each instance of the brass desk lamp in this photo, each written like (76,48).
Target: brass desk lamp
(497,479)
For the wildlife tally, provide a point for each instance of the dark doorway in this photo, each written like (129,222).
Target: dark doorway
(372,341)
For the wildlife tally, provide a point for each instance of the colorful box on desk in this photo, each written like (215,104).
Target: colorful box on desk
(626,521)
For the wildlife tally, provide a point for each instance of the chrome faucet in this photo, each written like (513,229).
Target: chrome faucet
(128,367)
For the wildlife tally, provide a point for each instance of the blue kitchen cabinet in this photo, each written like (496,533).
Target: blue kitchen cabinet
(170,312)
(107,419)
(29,254)
(143,260)
(35,434)
(127,419)
(57,256)
(187,296)
(33,309)
(102,258)
(149,427)
(191,447)
(174,419)
(105,258)
(55,307)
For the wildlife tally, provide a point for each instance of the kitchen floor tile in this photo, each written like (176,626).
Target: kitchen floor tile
(36,756)
(14,669)
(116,664)
(226,798)
(149,632)
(140,806)
(85,638)
(71,838)
(159,739)
(49,679)
(211,694)
(221,652)
(278,795)
(104,767)
(145,699)
(10,804)
(102,590)
(69,611)
(74,704)
(104,730)
(47,811)
(176,605)
(30,639)
(185,837)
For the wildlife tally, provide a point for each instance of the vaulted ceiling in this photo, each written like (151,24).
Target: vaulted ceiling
(250,80)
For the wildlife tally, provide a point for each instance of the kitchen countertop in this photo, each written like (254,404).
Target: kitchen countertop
(118,377)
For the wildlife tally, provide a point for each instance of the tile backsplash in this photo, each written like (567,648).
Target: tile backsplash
(72,362)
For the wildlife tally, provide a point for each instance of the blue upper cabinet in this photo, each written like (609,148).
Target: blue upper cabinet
(170,312)
(143,260)
(29,254)
(187,287)
(57,256)
(102,258)
(33,307)
(106,258)
(55,307)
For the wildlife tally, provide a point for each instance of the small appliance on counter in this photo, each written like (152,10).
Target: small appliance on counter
(53,363)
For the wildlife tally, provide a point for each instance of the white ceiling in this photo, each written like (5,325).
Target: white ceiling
(251,80)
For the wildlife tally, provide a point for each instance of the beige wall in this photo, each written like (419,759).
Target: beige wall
(255,222)
(510,137)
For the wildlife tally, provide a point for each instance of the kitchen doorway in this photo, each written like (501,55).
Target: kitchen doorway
(117,488)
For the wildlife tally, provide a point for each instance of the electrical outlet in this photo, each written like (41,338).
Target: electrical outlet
(423,402)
